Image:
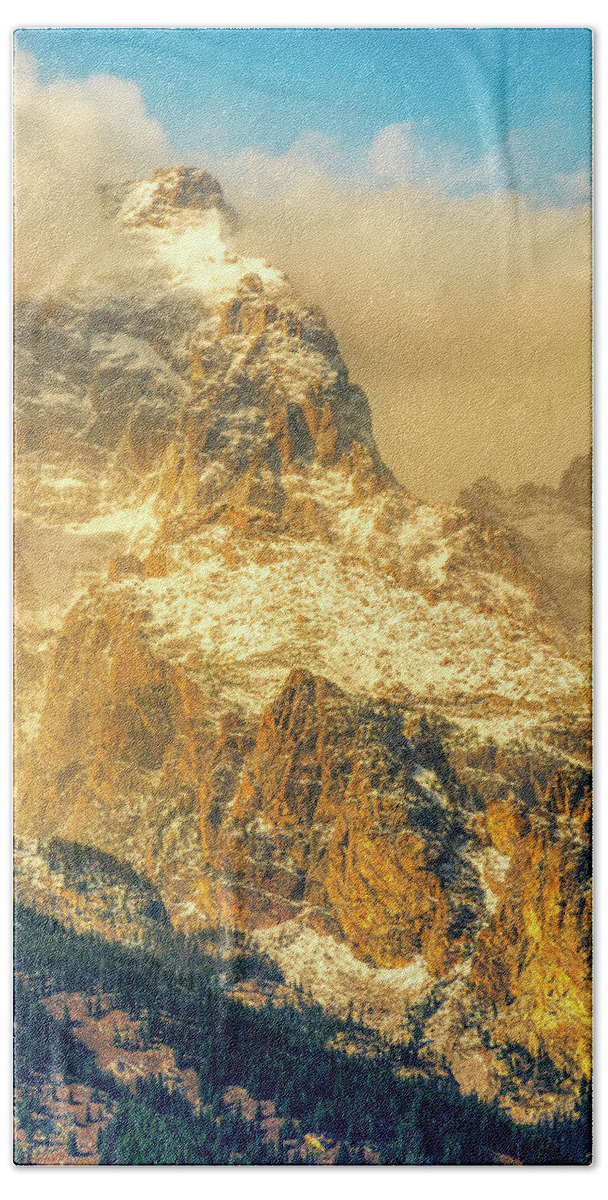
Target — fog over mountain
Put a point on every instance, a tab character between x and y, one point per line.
551	531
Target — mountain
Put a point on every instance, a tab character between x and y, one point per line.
550	530
302	703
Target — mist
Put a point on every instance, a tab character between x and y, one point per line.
71	138
467	321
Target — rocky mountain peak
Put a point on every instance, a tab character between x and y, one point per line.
575	485
172	190
270	395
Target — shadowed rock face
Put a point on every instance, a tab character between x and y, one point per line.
181	188
550	530
300	702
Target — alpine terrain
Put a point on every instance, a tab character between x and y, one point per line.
295	707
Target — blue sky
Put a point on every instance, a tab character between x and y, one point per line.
518	96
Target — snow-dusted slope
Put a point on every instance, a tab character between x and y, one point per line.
412	610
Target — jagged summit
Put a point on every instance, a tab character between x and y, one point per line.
172	190
550	528
270	397
181	218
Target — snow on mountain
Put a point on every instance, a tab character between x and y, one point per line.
300	700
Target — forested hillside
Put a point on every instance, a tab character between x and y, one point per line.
371	1111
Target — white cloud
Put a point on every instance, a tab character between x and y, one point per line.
70	137
395	155
527	162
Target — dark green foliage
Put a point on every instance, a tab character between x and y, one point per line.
83	865
274	1053
19	1155
155	1127
43	1045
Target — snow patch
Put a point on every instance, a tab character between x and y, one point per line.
190	245
492	867
381	997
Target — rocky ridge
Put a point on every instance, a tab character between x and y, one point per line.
550	530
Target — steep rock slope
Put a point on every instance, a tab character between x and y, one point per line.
300	701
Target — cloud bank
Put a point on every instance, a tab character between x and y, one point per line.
71	137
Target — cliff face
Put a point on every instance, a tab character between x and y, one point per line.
302	703
325	820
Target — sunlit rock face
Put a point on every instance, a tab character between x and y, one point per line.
302	703
159	201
